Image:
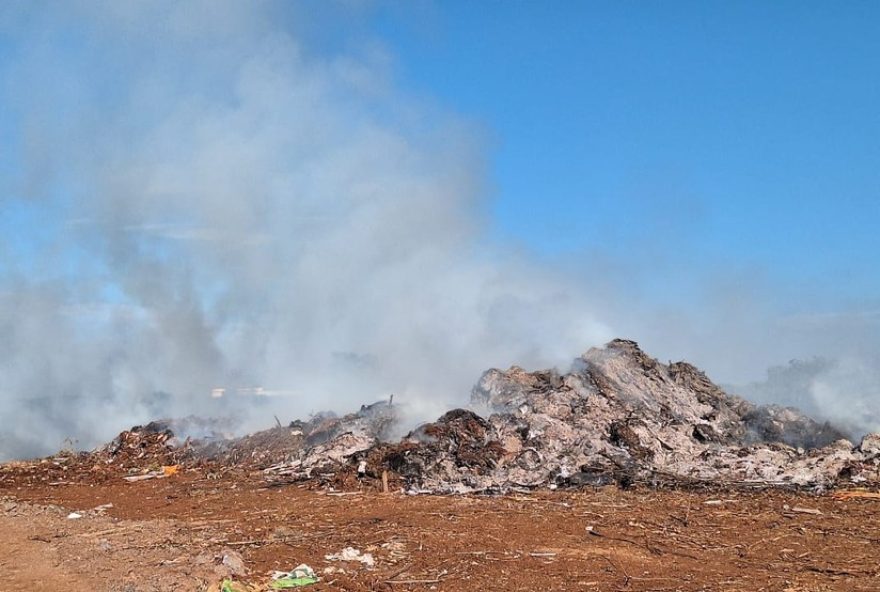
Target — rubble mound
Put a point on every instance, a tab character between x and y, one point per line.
259	450
772	423
617	416
319	445
440	450
162	442
139	450
152	444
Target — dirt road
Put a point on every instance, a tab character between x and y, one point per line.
172	534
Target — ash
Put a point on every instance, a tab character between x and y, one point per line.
619	416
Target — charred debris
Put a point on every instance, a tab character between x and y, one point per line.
619	416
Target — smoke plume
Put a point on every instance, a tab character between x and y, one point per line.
224	209
197	197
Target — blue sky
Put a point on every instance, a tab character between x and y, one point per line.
704	134
690	136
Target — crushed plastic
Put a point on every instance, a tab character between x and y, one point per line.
352	554
301	575
228	585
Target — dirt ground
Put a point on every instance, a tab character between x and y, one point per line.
187	531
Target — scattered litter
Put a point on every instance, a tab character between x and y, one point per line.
799	510
144	477
228	585
165	471
301	575
74	516
233	561
352	554
847	495
718	502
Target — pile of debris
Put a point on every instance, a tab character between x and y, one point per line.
154	444
329	443
152	449
326	436
255	451
617	416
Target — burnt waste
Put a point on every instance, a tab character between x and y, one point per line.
618	416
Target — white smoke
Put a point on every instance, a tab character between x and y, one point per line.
242	213
843	391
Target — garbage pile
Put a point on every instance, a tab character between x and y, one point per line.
326	436
162	442
617	416
154	443
327	442
257	450
143	452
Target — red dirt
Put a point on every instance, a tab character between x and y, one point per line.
159	532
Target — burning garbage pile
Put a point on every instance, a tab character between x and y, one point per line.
157	449
324	437
167	442
617	416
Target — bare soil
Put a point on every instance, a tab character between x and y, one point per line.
174	533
